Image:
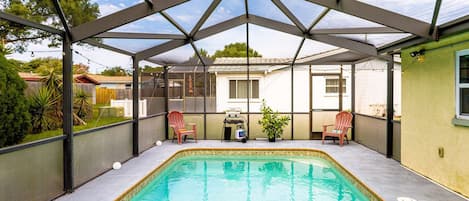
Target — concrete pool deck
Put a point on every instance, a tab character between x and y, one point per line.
384	176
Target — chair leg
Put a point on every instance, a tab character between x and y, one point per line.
341	140
179	139
323	138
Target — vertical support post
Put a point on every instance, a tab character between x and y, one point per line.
353	101
310	103
248	78
390	107
341	89
67	111
292	116
166	102
135	105
205	102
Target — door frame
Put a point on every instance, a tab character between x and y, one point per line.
311	109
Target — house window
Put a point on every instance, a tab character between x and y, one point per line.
239	89
462	84
332	86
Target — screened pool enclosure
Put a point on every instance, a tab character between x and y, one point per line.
328	56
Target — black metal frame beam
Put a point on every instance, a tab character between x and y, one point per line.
361	30
290	15
135	106
435	17
246	6
449	28
93	42
67	110
203	33
61	14
390	107
188	37
29	23
120	18
318	19
292	84
166	101
260	21
204	17
127	35
353	100
379	15
333	40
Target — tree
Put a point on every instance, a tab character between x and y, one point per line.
115	71
14	115
44	65
41	11
151	69
235	50
80	68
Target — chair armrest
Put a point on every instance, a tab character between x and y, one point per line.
327	125
193	125
172	125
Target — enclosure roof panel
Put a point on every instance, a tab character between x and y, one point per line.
365	27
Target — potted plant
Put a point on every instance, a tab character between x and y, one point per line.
272	123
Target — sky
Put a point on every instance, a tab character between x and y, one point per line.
261	39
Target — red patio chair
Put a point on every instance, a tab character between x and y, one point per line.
176	122
343	121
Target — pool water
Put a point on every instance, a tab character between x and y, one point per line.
249	178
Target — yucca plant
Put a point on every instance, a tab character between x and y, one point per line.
42	109
82	104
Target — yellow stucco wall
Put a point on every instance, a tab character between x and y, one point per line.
428	106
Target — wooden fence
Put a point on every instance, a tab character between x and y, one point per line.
104	95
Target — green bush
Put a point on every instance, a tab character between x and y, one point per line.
14	115
271	122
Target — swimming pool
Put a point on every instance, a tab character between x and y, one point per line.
249	174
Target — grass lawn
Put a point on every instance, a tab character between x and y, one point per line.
91	123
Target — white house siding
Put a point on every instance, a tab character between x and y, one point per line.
275	88
371	91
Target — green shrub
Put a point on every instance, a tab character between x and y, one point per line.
271	122
14	115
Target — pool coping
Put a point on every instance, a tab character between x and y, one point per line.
134	188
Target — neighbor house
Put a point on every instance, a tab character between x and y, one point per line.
81	81
271	83
113	82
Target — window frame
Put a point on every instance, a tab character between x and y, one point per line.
344	83
250	90
459	86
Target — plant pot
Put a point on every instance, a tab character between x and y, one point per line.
272	139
